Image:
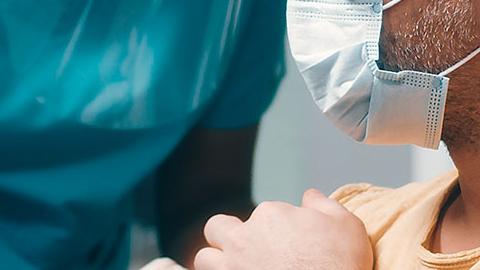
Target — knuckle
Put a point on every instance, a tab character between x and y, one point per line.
266	209
313	195
201	258
160	263
231	237
265	206
270	211
272	206
214	220
222	225
263	209
309	193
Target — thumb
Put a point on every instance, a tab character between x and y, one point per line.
314	199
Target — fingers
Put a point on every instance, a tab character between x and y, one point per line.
209	259
315	200
163	264
218	227
270	211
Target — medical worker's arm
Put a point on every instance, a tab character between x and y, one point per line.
209	173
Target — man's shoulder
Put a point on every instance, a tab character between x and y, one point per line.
359	193
380	208
397	220
363	195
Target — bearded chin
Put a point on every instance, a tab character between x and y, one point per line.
436	36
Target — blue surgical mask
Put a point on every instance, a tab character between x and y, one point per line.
336	46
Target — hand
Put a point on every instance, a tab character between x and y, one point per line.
319	236
163	264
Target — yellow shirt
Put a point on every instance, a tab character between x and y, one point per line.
400	223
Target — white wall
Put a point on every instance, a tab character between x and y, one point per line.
298	148
427	164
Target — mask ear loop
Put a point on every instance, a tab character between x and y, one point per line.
391	4
461	63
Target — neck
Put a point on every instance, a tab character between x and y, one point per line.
459	225
467	161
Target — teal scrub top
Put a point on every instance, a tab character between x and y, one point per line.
95	94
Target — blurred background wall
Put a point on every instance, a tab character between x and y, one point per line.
298	149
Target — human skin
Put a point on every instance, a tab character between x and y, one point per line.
163	264
430	36
321	235
421	35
